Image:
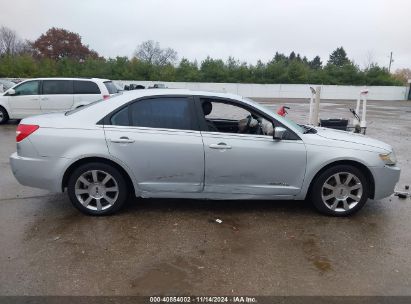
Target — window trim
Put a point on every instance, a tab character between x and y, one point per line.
238	103
106	121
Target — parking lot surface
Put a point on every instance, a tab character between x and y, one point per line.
156	247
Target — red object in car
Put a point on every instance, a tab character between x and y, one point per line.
106	97
282	110
24	130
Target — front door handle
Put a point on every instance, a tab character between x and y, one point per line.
122	140
44	98
220	146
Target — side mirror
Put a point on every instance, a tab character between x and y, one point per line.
279	133
11	92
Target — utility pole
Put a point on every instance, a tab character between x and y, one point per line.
391	61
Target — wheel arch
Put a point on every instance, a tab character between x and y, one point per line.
107	161
360	166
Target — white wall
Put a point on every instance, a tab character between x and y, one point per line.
285	90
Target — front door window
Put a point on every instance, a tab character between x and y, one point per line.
27	88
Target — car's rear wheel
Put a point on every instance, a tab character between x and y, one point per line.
340	191
4	116
97	189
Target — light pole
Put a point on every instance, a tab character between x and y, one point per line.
391	61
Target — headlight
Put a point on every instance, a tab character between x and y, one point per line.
389	158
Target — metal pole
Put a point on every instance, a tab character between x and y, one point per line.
316	111
310	117
364	109
357	110
389	67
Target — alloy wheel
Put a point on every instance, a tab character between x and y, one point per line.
96	190
342	191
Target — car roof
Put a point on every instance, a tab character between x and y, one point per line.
102	108
159	92
68	78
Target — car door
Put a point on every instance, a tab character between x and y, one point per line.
57	95
26	99
248	164
159	139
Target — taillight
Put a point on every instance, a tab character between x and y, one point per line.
106	97
24	130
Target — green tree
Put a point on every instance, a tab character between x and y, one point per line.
188	71
338	57
316	63
213	70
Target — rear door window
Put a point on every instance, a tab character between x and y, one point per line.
54	87
85	87
165	113
111	87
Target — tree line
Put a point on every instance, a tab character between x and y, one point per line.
61	53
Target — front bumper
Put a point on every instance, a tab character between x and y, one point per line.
41	172
385	179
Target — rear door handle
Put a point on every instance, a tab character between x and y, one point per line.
44	98
122	140
220	146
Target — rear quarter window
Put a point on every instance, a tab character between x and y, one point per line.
86	87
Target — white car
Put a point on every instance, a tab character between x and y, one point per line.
46	95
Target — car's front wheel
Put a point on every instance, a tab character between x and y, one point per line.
97	189
340	191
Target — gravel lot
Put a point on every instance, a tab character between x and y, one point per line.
175	246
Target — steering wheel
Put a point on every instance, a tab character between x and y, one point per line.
258	128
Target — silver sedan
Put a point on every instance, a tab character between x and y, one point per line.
198	145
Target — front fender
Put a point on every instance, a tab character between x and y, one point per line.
318	157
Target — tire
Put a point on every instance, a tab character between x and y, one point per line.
4	116
87	189
340	191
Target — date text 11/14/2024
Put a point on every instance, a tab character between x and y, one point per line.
203	299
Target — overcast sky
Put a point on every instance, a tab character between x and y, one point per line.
246	29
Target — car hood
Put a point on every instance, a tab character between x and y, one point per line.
355	138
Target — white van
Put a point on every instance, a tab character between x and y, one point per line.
46	95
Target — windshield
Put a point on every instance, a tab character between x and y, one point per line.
282	119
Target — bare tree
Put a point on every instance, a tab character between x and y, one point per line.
369	61
11	43
8	40
150	51
403	75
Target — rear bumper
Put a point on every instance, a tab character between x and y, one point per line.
385	179
42	172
